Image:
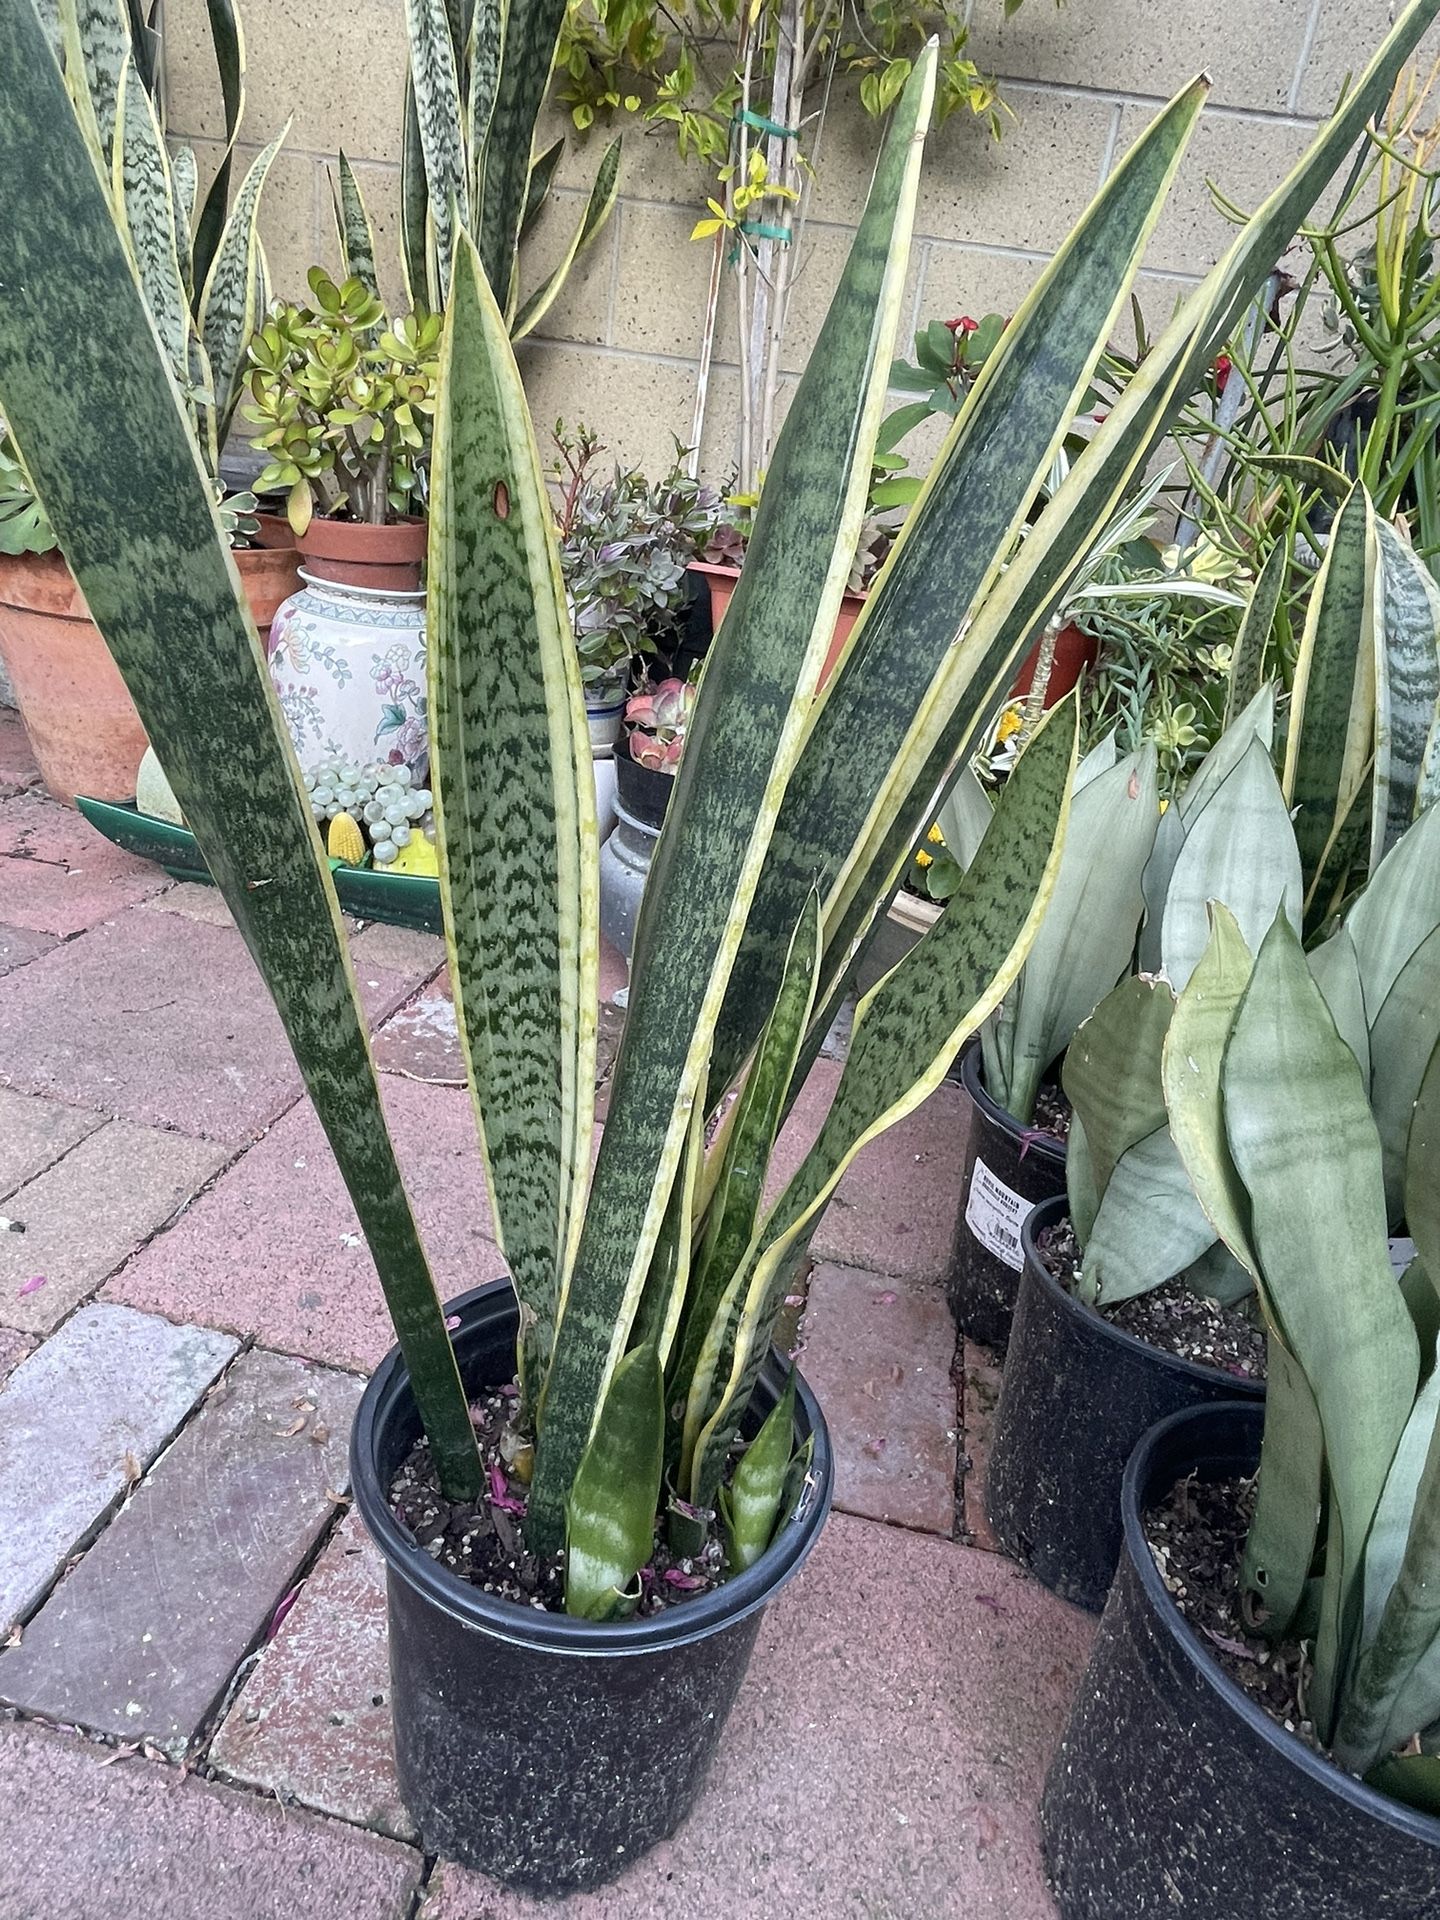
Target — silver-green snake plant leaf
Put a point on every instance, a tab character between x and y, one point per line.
1300	1134
91	400
750	1505
977	669
1111	1074
1422	1170
610	1514
908	1029
435	82
1088	935
1240	849
1148	1229
1289	1493
230	302
1402	1039
144	195
734	1209
598	208
532	28
1247	664
1407	690
984	480
1411	1778
353	229
484	51
105	42
1336	967
1398	910
741	745
1331	738
514	801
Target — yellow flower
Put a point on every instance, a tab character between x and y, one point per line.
1011	722
924	860
935	836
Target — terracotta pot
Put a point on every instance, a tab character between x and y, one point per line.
386	559
722	583
84	731
1074	652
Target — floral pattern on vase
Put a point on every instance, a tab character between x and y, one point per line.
348	667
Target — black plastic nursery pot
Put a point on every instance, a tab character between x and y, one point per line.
1077	1395
1008	1169
1173	1795
644	792
545	1751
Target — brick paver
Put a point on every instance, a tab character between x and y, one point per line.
20	945
34	1133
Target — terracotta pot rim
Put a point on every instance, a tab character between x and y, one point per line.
717	570
394	542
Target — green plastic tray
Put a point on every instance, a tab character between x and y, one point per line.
399	899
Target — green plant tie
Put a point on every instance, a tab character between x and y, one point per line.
745	118
764	230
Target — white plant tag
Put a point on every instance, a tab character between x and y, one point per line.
995	1215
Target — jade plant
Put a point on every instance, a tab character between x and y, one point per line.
649	1283
344	401
1269	1106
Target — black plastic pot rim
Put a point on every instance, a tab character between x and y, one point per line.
1046	1214
1288	1747
681	1625
1029	1139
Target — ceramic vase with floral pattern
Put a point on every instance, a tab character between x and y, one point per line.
348	664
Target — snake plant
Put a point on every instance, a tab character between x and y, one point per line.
201	269
1270	1105
648	1285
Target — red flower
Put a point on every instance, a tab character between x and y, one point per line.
963	325
1222	371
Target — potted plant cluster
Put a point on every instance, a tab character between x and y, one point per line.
342	401
200	274
611	1473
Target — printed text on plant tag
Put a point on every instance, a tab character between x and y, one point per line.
995	1215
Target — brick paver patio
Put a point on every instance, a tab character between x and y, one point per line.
184	1325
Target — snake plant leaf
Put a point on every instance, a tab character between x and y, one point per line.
1422	1170
517	852
1088	935
997	454
1190	1071
532	28
353	229
484	49
1411	1778
735	1204
965	816
105	43
1217	1275
1407	689
1111	1074
230	304
229	47
1240	849
543	169
750	1505
1080	1189
610	1515
976	671
1402	1039
1155	884
1395	1689
1280	1546
436	86
1256	721
907	1031
145	40
741	745
185	181
414	211
1390	1530
93	404
49	12
1331	735
662	1304
1149	1226
598	209
1422	1297
144	197
1302	1139
1336	968
1398	909
1247	662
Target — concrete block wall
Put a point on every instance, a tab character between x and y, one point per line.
619	349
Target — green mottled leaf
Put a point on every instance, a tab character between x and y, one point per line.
543	169
353	229
1407	687
597	211
1332	702
750	1505
95	410
230	305
414	226
740	747
229	51
532	28
143	192
1303	1142
184	181
610	1515
517	866
105	42
1239	849
435	87
485	48
1411	1778
1247	662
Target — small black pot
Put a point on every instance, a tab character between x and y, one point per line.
1173	1795
1076	1397
545	1751
642	791
1008	1170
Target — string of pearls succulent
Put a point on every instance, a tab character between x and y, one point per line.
382	798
